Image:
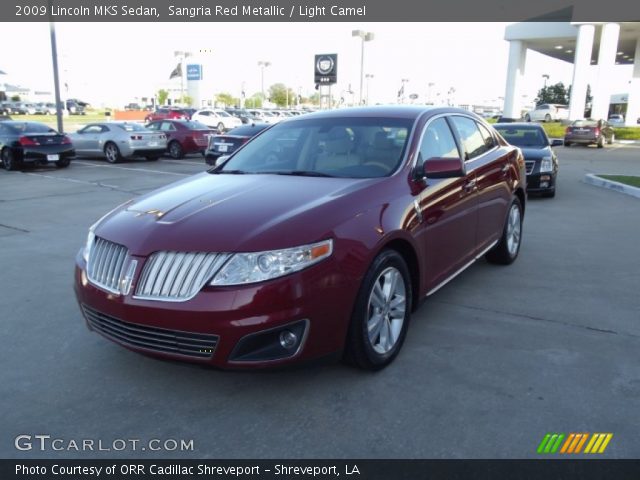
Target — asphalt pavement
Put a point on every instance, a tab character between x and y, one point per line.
495	360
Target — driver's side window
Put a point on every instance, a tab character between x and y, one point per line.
438	142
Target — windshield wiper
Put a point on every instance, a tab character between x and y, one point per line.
303	173
230	172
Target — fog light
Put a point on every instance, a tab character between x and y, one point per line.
544	184
288	339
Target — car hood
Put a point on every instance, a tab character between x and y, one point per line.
231	213
535	153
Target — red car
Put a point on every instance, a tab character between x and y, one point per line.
167	113
183	136
320	235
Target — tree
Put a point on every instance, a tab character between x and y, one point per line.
15	98
186	100
163	95
281	95
557	93
255	101
227	99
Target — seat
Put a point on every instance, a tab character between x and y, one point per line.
531	138
383	152
337	152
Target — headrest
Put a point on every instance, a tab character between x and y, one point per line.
338	141
382	142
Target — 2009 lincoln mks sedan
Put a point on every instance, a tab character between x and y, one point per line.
320	235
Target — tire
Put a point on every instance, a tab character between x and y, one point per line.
507	249
527	118
600	143
9	161
64	163
175	150
567	144
612	139
112	153
220	127
376	350
547	118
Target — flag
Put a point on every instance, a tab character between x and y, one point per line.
177	72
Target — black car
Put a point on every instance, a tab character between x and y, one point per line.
540	160
225	144
35	143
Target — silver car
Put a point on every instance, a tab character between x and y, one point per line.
118	140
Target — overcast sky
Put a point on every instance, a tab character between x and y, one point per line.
116	63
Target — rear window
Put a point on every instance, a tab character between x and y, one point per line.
524	136
31	128
193	125
247	130
131	127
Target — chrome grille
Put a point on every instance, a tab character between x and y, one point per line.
106	264
530	166
200	345
177	276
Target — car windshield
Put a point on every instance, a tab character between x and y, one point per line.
584	123
132	127
325	147
524	136
247	130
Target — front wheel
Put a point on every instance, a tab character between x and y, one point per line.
381	315
612	139
64	163
508	247
600	143
175	150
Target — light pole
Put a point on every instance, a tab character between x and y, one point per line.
368	76
365	37
262	64
56	79
430	85
401	92
546	77
182	57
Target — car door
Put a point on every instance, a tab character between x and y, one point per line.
448	208
492	172
85	141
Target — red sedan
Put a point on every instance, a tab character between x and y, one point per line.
183	136
320	235
168	113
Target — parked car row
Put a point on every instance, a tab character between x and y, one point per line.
73	107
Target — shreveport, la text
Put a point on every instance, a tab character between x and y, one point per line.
177	469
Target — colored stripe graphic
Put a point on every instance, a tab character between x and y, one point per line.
573	443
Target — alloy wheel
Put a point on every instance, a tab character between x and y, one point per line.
513	230
386	310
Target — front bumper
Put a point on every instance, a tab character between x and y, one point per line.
318	297
541	182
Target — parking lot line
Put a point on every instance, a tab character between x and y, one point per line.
86	164
73	180
185	162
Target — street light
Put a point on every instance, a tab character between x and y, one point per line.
546	77
365	37
368	76
262	64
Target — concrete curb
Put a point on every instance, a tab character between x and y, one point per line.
595	180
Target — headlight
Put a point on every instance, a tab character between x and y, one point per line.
245	268
546	165
87	246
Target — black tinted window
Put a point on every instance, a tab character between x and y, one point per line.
524	136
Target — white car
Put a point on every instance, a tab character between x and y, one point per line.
265	116
548	112
616	119
216	118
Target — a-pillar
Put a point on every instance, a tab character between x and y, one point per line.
581	63
633	105
515	72
606	64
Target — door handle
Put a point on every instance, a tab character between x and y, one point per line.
470	186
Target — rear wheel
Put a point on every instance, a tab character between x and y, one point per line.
600	143
612	139
547	118
175	150
9	160
63	163
112	153
381	315
507	249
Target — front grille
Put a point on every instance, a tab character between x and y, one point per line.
106	264
530	166
199	345
177	276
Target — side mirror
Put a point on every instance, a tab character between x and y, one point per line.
557	142
437	167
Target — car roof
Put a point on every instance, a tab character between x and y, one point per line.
397	111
